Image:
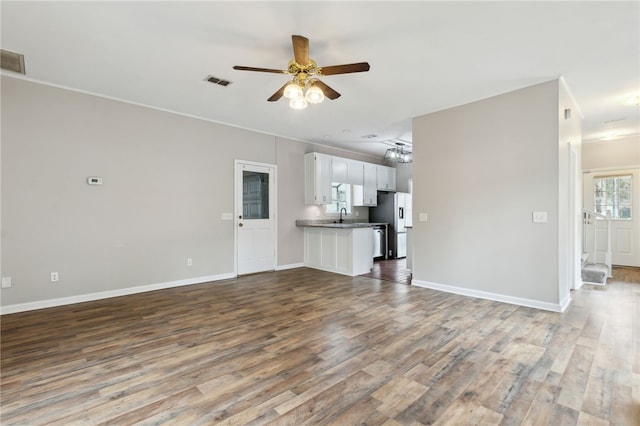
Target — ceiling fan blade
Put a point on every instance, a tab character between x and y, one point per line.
278	94
241	68
328	91
300	49
345	69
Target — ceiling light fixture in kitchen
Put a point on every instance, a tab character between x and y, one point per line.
399	154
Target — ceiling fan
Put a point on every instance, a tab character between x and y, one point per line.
305	87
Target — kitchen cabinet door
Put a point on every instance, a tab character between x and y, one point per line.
340	170
370	193
386	178
355	172
318	173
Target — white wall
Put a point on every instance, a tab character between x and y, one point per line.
623	153
480	170
167	180
569	193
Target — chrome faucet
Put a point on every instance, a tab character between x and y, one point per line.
345	213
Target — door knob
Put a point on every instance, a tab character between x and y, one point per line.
240	224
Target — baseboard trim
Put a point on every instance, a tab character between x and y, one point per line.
51	303
289	266
564	303
529	303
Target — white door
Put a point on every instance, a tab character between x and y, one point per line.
255	217
625	233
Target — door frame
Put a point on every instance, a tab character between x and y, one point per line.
236	190
575	222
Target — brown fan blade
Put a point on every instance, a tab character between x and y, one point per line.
300	49
278	94
328	91
345	69
241	68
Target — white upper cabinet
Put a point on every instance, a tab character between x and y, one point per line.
340	169
366	179
370	194
348	171
355	172
318	174
386	178
365	193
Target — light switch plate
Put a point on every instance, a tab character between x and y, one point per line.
6	282
539	217
423	217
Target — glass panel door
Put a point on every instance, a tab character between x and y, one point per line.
255	195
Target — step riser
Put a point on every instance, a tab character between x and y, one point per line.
595	273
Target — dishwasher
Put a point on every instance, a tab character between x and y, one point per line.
379	241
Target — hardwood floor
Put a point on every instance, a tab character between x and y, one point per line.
308	347
394	270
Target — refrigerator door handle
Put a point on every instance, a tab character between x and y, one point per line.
401	212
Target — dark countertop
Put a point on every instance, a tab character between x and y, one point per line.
333	224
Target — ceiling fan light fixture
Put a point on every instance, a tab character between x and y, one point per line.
298	103
314	94
304	69
293	91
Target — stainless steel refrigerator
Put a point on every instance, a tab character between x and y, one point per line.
394	208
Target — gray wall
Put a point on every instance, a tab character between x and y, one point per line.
167	180
480	170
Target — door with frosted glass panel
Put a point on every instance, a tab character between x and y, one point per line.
255	217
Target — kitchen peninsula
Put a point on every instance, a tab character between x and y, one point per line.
344	248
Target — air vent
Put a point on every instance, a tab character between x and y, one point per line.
12	61
218	81
370	136
614	120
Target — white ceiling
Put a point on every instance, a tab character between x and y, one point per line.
424	57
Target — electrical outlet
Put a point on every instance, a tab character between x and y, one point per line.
6	282
189	261
54	277
423	217
539	217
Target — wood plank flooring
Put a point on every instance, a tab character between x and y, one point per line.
394	270
302	346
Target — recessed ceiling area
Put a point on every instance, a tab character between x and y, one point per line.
424	57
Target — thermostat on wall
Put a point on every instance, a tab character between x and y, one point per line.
91	180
